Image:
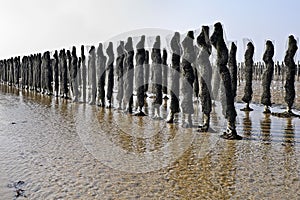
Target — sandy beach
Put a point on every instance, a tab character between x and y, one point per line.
53	149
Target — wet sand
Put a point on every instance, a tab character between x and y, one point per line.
63	150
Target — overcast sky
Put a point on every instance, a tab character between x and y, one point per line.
29	26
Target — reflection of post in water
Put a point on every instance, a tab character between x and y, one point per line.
289	165
64	110
140	143
119	137
265	126
124	136
247	124
289	136
15	90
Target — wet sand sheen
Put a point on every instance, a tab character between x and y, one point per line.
54	147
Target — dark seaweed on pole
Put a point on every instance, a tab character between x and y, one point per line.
147	72
196	83
49	74
157	76
188	58
119	67
110	73
165	72
290	72
83	69
56	73
74	62
128	70
205	75
248	76
30	73
290	69
218	42
64	73
38	72
13	72
16	71
79	79
267	76
232	65
139	75
69	60
195	67
175	77
92	67
216	84
101	65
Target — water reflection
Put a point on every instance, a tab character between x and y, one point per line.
247	124
265	128
289	135
9	90
290	172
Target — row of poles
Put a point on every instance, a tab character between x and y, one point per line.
13	72
94	78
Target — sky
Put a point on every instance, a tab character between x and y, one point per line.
38	25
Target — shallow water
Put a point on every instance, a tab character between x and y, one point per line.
77	151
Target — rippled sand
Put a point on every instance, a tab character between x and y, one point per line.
77	151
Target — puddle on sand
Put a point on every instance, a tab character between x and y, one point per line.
51	149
